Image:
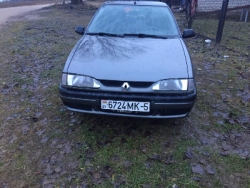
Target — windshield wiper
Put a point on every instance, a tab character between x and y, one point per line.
142	35
105	34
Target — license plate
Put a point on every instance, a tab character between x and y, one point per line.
130	106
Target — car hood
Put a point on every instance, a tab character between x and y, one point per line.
129	59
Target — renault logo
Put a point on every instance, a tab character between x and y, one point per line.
125	85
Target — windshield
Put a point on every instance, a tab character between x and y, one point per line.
134	19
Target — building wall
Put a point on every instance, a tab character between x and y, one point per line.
210	5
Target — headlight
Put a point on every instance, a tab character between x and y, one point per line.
80	81
174	85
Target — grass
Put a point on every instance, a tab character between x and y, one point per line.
218	71
103	151
236	170
233	41
132	150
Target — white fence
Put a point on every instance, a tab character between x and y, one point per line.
212	5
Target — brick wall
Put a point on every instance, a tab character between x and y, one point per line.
210	5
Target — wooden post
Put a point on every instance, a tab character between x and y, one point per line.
247	11
221	21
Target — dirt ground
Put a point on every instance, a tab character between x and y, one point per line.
44	145
6	13
21	3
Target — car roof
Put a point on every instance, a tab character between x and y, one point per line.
151	3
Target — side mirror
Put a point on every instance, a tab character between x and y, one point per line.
188	33
79	30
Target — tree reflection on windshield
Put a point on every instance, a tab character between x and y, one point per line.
120	19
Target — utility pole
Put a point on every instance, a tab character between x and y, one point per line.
221	21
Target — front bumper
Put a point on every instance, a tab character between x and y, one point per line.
161	105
